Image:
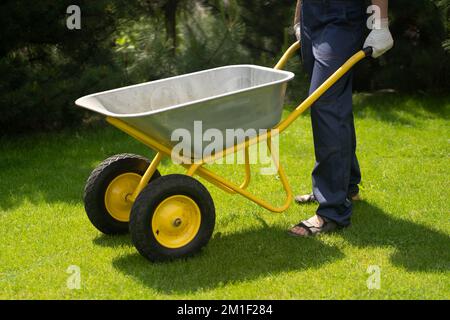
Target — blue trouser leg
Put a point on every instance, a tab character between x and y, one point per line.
332	32
355	173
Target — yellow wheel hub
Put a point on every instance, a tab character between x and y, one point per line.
176	221
116	196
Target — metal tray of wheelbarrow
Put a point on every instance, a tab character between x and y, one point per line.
232	97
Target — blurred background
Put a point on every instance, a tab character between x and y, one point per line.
45	67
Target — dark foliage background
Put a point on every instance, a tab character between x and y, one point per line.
44	66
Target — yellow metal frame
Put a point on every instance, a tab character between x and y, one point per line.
200	170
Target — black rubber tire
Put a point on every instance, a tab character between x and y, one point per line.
143	209
97	184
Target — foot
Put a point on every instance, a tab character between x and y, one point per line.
310	198
313	226
307	198
353	193
356	197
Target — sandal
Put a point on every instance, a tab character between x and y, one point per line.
310	198
354	195
312	230
307	198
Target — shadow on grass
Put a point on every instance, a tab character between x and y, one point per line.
396	108
55	167
417	247
401	109
112	241
231	258
270	251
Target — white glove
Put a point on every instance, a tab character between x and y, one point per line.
380	39
298	31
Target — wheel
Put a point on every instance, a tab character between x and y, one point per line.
173	217
107	189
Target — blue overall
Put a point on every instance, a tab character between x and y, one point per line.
332	31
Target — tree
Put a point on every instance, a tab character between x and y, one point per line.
45	66
418	61
170	10
266	24
444	6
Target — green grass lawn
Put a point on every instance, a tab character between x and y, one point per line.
402	225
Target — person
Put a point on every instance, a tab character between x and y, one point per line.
330	32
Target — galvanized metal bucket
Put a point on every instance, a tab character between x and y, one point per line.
233	97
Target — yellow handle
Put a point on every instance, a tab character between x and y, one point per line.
288	54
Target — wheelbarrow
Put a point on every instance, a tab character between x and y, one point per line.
173	216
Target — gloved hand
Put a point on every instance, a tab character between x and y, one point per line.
298	31
380	39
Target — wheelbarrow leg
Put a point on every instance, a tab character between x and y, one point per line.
147	176
248	173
